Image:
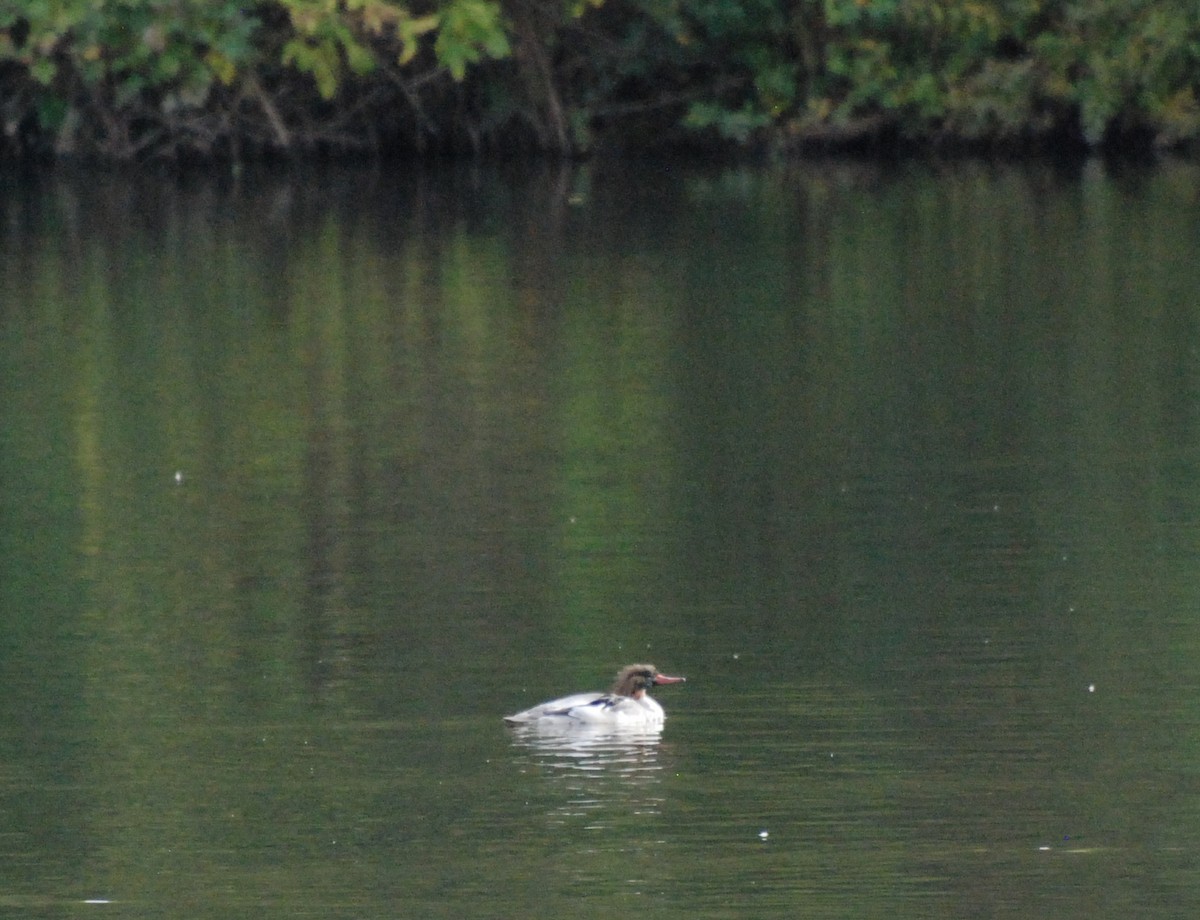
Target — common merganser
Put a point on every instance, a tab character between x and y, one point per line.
627	705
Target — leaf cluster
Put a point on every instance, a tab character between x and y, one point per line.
129	78
135	71
986	71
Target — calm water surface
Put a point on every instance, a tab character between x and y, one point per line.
305	480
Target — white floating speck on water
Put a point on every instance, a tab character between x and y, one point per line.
763	835
1091	688
179	476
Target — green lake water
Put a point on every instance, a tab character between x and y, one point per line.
306	479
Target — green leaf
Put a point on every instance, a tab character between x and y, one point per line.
43	70
410	29
320	61
470	28
360	60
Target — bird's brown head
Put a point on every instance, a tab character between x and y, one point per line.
635	679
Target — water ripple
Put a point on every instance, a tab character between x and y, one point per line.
592	772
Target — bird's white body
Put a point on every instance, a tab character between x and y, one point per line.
627	705
601	709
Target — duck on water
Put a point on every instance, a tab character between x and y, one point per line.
626	705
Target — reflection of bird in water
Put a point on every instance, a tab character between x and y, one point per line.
627	705
588	747
601	769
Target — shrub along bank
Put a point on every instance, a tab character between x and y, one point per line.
140	79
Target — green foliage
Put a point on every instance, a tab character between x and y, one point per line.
155	42
977	70
744	70
470	29
331	37
127	62
138	45
745	47
1124	64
